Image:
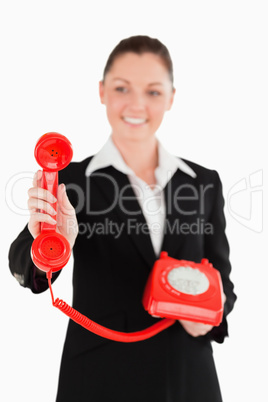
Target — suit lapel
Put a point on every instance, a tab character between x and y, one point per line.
118	191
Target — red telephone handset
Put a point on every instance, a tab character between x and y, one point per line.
50	250
175	289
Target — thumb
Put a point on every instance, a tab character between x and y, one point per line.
63	201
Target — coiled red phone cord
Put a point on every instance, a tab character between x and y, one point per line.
105	332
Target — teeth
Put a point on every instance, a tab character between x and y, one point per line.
133	120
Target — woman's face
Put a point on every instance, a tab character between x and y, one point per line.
137	92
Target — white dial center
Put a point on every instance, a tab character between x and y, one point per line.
188	280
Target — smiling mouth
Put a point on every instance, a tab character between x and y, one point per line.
134	121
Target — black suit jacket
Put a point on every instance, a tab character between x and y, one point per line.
113	256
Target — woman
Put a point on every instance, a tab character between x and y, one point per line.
124	205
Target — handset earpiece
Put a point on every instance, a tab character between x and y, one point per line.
53	152
50	250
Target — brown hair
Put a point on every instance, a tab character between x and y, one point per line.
141	44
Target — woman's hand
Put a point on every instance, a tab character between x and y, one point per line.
196	328
40	199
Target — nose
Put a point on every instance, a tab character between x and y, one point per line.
137	101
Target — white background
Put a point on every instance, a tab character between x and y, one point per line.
52	57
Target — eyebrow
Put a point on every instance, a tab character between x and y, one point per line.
127	82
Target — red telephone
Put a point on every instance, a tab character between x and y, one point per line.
184	290
175	289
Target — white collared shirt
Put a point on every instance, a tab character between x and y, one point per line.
151	200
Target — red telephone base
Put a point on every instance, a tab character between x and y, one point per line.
184	290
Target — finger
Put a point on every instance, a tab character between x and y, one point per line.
63	201
34	204
39	217
42	194
203	329
195	329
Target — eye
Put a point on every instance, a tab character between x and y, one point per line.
121	89
154	93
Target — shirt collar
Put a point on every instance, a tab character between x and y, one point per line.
109	155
